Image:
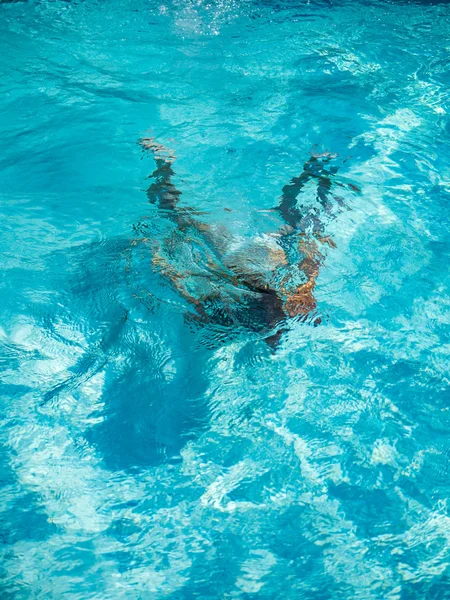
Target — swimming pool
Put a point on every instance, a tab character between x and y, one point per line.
146	456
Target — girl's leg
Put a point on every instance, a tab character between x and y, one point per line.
162	191
302	300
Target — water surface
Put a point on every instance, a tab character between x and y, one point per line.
144	457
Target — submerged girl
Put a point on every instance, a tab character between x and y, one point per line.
230	284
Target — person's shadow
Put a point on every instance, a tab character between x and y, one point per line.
153	400
152	368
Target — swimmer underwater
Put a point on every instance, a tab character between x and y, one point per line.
231	285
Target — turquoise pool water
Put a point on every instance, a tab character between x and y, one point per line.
145	454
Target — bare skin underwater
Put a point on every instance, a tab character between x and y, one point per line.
233	294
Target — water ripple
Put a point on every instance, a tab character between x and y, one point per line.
167	430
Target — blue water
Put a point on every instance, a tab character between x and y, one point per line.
145	454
